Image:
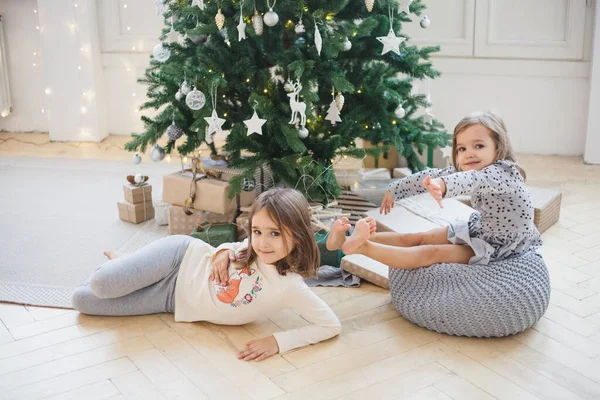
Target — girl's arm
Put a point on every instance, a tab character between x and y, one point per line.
497	178
323	322
412	185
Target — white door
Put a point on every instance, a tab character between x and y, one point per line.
532	29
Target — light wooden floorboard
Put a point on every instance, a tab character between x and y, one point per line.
57	354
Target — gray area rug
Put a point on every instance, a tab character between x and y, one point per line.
57	216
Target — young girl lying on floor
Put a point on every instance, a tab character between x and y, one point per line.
484	166
175	274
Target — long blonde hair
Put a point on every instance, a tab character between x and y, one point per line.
495	124
289	209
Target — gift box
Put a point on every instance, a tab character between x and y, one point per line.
161	213
372	190
182	224
211	194
216	234
136	194
387	159
135	213
546	205
367	268
263	180
419	214
347	177
402	172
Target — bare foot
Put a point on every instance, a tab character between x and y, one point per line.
372	225
337	234
359	237
111	254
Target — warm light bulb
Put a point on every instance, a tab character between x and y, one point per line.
47	91
265	90
75	5
248	80
128	28
133	94
168	158
185	160
4	113
124	5
79	67
83	110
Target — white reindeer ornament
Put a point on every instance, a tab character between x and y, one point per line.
298	107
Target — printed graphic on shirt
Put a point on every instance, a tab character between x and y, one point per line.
229	294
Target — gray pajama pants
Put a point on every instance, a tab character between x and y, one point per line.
135	284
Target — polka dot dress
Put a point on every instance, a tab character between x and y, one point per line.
503	225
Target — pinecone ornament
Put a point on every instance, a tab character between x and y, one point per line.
339	101
174	132
369	4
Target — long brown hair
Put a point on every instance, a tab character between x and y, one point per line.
495	124
290	211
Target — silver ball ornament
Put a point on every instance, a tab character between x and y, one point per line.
185	88
303	133
178	95
137	158
174	132
198	39
157	153
271	18
248	185
161	53
400	112
425	22
347	44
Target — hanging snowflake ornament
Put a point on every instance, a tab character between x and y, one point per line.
195	99
318	39
220	19
160	6
199	3
257	23
254	124
425	22
369	4
271	18
161	53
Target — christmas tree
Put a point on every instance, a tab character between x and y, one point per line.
267	72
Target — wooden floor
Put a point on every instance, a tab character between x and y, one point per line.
60	354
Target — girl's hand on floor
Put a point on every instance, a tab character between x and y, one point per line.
259	349
387	203
220	267
435	189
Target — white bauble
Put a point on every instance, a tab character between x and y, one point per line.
137	158
303	132
178	95
347	44
400	112
299	29
271	18
138	178
425	22
157	153
161	53
195	99
185	88
174	132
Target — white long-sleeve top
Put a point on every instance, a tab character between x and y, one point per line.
252	293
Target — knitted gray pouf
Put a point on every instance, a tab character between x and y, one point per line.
499	299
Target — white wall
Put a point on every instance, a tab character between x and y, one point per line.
544	101
26	80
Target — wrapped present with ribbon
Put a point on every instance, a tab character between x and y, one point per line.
197	189
135	213
181	223
261	181
215	234
137	194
